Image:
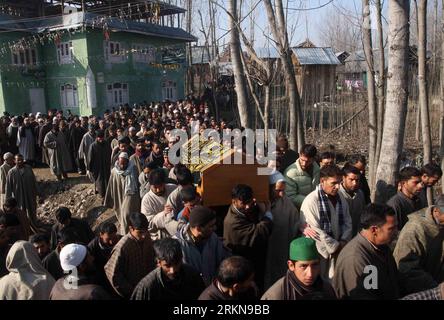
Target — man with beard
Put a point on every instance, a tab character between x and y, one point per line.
122	193
124	146
302	177
141	156
353	195
326	212
87	140
154	204
4	169
156	155
21	184
99	166
172	280
26	141
75	257
407	199
75	138
247	228
302	280
285	229
59	157
144	183
41	243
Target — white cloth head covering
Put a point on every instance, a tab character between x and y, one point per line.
123	155
8	155
26	269
72	255
276	177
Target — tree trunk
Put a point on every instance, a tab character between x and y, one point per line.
422	81
441	105
278	27
239	76
381	91
397	95
371	95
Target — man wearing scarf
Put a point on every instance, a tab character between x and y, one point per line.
326	212
122	193
302	280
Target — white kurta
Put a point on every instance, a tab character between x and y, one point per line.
326	244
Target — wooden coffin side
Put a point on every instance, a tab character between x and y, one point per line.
217	183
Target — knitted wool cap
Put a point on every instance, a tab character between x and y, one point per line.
201	216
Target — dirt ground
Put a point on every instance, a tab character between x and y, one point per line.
77	193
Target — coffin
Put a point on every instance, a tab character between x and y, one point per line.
218	179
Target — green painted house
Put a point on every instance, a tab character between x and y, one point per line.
88	63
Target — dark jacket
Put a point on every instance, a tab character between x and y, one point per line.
403	206
52	263
360	260
213	293
187	286
248	237
81	228
86	290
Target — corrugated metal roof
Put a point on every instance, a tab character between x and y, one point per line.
316	56
267	53
78	19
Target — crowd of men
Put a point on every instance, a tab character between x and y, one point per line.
318	237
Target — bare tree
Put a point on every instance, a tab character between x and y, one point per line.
422	84
441	105
371	94
381	89
397	95
278	26
236	59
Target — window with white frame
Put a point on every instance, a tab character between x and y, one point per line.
24	57
114	52
143	53
117	93
169	90
69	97
65	52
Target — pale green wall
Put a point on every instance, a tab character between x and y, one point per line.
144	81
15	83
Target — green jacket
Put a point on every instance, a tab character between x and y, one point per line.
300	183
419	252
